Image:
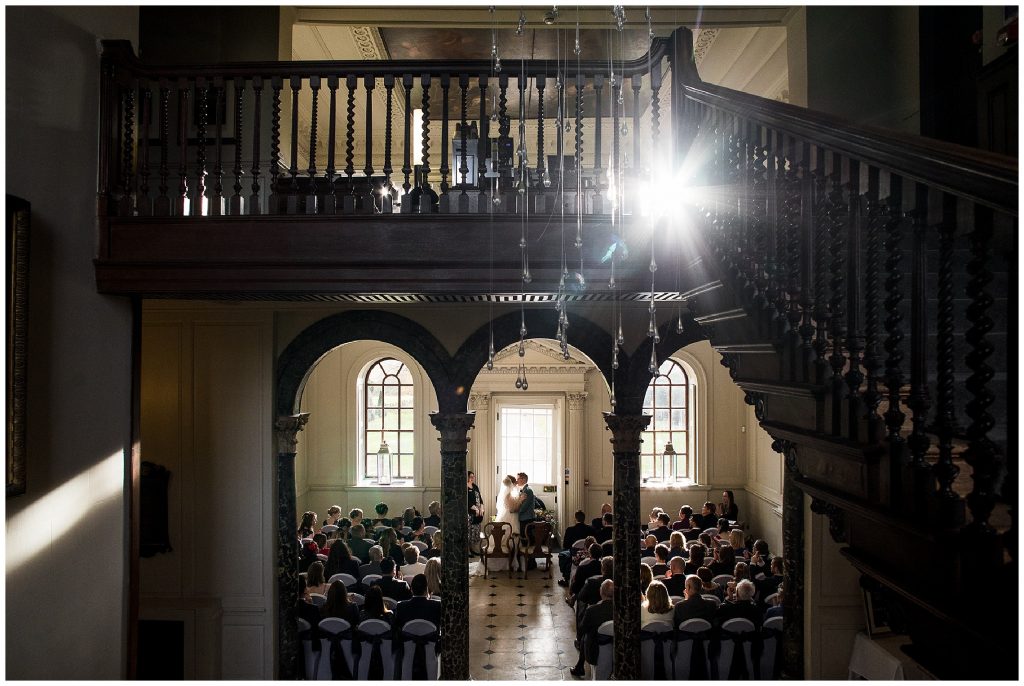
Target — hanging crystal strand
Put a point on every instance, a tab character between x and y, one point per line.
679	321
490	351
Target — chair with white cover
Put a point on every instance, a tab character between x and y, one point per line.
713	598
419	544
304	542
309	657
376	658
422	560
406	530
735	633
328	529
390	603
430	530
676	599
649	560
380	527
321	557
772	600
771	642
346	579
656	651
356	599
420	657
722	579
336	661
317	599
605	650
370	579
498	542
692	657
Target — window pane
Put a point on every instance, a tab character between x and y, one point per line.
391	419
376	375
406	394
405	442
390	396
678	419
661	396
405	376
392	438
406	418
405	466
391	366
648	399
646	466
373	417
678	396
371	464
660	420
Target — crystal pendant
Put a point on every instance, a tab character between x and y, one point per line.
652	367
519	381
654	265
568	126
526	384
620	100
494	116
522	349
619	339
497	65
611	282
546	179
495	200
576	48
615	357
565	354
490	354
527	276
679	324
624	129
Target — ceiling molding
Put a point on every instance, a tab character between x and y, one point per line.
534	346
705	39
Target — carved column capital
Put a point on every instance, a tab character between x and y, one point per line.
286	431
576	401
626	430
454	430
836	518
480	401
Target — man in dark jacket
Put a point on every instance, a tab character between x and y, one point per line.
419	606
389	586
586	631
598	521
743	607
586	569
676	584
591	591
605	532
693	606
576	532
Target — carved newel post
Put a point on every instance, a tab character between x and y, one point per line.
626	430
454	430
286	431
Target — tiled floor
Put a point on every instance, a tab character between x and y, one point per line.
520	629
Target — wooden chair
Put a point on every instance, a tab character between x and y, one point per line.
534	545
497	541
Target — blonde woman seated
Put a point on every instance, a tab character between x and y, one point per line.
646	577
657	607
315	582
432	571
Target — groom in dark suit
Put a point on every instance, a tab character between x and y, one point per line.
527	505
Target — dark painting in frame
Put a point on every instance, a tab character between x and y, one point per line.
17	340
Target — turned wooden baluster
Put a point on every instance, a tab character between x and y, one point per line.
217	206
181	200
541	172
919	401
463	133
776	233
351	82
275	202
821	251
369	202
853	339
407	166
599	177
872	362
329	204
202	93
982	452
257	92
792	207
295	83
950	505
126	203
484	142
759	220
806	248
894	416
143	202
236	199
636	81
837	304
581	82
311	198
746	245
389	86
446	82
426	205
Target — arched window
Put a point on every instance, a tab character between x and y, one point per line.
388	408
670	402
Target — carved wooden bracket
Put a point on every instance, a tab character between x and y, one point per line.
836	518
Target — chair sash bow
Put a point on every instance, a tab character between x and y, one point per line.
738	667
698	656
419	658
339	665
659	638
376	670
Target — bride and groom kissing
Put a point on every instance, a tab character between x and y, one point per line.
516	502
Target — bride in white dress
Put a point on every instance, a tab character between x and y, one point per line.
508	503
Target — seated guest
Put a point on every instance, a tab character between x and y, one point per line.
776	610
693	605
728	507
412	565
741	571
419	606
661	555
408	515
339	605
416	532
382	514
598	521
355	516
696	560
676	580
315	581
586	630
707	517
608	547
434	550
590	593
344	527
358	543
389	543
724	560
771	582
432	570
738	543
661	530
306	610
577	532
321	544
340	561
376	554
307	525
647	546
586	569
708	542
389	585
707	586
653	521
723	527
308	555
685	521
646	577
333	515
657	607
742	606
374	607
759	559
434	514
605	532
676	545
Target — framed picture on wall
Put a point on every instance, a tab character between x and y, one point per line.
17	340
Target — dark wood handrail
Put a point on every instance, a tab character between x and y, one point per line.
983	177
121	53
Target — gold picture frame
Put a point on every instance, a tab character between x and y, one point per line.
18	216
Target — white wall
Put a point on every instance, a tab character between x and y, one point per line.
66	551
207	417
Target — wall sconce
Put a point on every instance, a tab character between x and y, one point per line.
384	465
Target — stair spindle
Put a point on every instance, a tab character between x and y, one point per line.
407	166
636	81
143	202
202	93
311	197
446	81
389	86
821	251
919	401
581	82
791	209
257	92
236	199
837	304
217	206
540	83
329	205
295	83
599	177
274	202
369	202
181	200
484	141
775	183
351	83
853	339
464	132
894	416
425	136
872	363
759	220
126	204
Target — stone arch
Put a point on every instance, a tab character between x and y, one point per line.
633	376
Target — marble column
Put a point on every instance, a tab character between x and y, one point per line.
626	430
793	554
454	429
573	494
481	452
286	431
